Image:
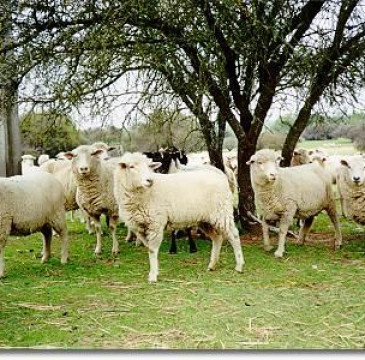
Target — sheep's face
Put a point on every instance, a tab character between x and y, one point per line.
85	160
300	157
137	171
355	169
103	155
264	166
316	155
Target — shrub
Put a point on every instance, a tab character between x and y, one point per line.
270	141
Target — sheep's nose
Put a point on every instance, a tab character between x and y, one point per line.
149	182
272	176
84	169
356	178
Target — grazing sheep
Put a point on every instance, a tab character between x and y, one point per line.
27	163
42	159
351	187
284	193
94	179
300	157
151	202
32	203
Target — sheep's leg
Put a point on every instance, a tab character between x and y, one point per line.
130	235
153	240
234	239
61	229
265	232
332	213
2	258
285	222
173	246
192	244
113	223
217	241
72	218
47	239
305	227
97	226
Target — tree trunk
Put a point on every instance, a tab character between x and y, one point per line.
14	148
246	195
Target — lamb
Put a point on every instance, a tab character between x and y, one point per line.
284	193
351	187
27	163
151	202
32	203
94	179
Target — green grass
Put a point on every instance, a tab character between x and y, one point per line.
338	146
313	298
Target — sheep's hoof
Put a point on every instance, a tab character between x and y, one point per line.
152	279
64	261
268	247
44	259
238	268
193	251
278	254
173	252
211	268
97	252
338	246
2	276
115	252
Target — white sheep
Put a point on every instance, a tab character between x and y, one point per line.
300	157
32	203
27	163
351	187
151	202
95	189
284	193
42	159
105	149
332	164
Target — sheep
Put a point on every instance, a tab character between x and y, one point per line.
32	203
105	149
94	179
332	164
284	193
42	159
300	157
151	202
27	163
351	187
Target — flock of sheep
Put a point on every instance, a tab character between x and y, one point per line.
149	196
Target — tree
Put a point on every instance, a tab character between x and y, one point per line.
226	61
49	133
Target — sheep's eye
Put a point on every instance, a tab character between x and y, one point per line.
259	162
131	166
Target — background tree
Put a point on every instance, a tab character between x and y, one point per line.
226	61
49	133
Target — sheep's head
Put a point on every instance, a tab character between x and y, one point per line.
136	171
28	159
85	160
264	166
355	169
105	149
300	157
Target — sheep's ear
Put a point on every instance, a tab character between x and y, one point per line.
97	152
324	159
110	148
68	155
344	163
295	152
252	160
154	165
279	158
